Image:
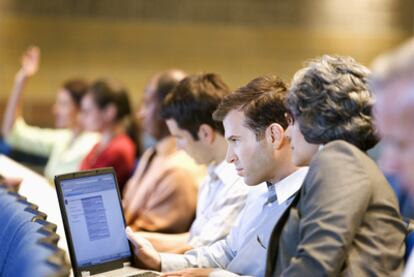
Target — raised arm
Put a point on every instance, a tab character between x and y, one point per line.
29	66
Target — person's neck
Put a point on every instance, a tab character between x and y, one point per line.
109	133
282	173
284	166
218	150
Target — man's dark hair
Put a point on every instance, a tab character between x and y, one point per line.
261	101
193	102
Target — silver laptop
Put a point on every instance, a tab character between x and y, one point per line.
94	224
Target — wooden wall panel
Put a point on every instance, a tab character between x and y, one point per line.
131	40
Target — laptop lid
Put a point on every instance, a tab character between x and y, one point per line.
93	220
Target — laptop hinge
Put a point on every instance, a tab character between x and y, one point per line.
126	264
85	273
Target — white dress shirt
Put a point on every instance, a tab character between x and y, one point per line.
220	200
244	250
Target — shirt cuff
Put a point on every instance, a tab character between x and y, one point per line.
173	262
222	273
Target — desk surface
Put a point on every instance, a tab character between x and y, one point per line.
38	191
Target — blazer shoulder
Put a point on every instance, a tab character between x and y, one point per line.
343	147
341	162
338	152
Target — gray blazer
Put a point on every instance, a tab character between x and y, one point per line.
346	221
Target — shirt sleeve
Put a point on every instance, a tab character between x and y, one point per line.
217	255
223	217
33	140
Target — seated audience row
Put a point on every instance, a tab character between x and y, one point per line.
308	200
339	218
95	128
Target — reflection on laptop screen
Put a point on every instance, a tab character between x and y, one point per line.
95	219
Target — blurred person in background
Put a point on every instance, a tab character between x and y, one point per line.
393	84
65	146
106	109
161	196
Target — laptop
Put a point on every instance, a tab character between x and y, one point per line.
94	224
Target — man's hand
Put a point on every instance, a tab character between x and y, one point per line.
146	254
189	272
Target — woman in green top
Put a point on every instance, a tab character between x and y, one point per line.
65	146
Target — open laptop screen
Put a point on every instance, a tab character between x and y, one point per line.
95	219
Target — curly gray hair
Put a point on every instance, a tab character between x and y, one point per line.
331	100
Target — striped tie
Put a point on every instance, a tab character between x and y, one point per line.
271	194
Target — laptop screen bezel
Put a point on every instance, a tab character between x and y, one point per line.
99	268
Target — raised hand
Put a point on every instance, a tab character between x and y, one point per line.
30	62
29	66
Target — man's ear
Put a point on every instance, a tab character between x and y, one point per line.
110	112
275	135
206	133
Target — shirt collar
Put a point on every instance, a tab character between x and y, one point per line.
224	171
288	186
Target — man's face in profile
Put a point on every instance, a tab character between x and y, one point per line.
394	112
186	142
251	157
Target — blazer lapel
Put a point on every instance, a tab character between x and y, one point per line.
273	247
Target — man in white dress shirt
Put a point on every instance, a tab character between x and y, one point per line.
188	112
254	122
394	110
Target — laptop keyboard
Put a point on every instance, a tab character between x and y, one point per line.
145	274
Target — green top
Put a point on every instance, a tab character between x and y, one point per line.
65	153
